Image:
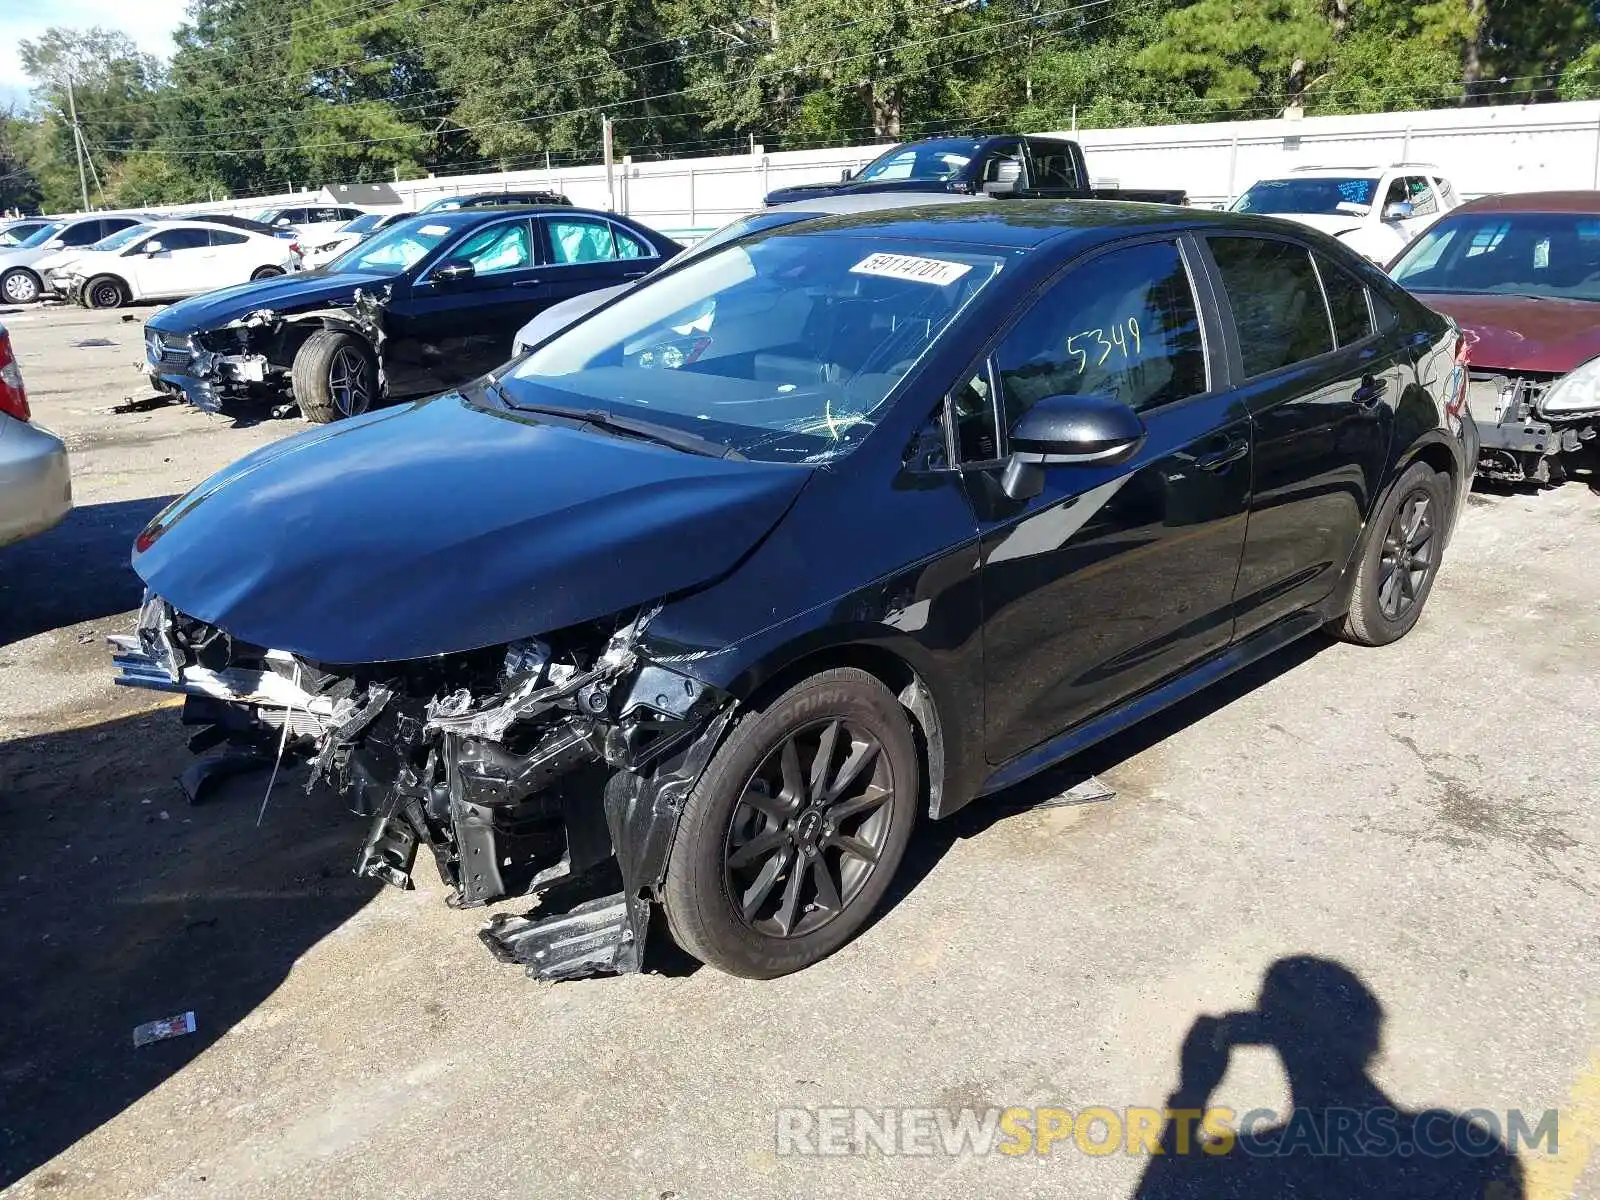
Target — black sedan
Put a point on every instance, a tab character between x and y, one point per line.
705	602
428	303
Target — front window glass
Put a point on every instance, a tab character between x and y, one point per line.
1350	196
1498	253
1123	325
507	247
40	237
942	158
784	348
396	249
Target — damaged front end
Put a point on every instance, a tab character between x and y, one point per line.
1530	428
552	767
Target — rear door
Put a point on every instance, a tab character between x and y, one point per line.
586	253
1115	577
234	258
445	331
1321	387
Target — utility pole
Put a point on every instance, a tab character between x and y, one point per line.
605	144
77	144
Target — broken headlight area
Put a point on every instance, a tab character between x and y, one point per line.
1523	436
553	767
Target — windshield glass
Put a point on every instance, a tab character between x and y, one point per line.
1352	196
15	235
119	239
443	204
393	250
361	224
1498	253
942	158
783	348
39	237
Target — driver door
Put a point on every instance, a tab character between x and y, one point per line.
1115	577
445	331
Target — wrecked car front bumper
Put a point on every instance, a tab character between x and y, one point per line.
1518	443
561	779
180	367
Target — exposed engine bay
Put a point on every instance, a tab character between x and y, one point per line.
1519	441
551	767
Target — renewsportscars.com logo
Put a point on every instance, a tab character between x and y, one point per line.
844	1132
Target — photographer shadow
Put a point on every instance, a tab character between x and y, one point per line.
1344	1137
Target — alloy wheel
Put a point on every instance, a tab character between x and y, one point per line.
348	382
810	826
1408	555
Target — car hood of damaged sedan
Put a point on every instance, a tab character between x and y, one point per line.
441	526
1523	333
297	291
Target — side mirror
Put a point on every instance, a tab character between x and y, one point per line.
1066	430
281	223
453	271
846	175
1398	211
153	248
55	244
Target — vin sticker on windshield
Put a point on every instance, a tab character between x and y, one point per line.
908	266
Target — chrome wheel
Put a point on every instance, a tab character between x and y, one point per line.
348	382
1408	555
809	828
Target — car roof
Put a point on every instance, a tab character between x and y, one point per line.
461	218
1024	224
854	202
1535	202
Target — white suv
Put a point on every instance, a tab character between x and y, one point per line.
1376	210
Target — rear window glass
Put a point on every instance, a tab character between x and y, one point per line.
1276	300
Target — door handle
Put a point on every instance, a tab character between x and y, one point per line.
1236	449
527	283
1370	394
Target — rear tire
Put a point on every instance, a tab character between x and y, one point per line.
334	375
20	286
1399	558
105	291
266	272
777	862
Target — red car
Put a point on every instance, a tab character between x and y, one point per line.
1521	275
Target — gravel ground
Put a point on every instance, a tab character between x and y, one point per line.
1424	815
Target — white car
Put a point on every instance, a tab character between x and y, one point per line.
314	223
175	259
349	234
1376	210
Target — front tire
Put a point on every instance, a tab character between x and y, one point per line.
334	375
1399	559
104	291
266	273
793	833
20	286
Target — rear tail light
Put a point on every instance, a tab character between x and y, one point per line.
13	397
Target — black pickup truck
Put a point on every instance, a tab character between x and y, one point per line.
1007	166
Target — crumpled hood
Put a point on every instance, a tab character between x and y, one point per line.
298	291
1523	333
440	526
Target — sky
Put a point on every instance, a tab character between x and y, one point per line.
150	23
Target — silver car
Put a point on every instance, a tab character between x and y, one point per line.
35	485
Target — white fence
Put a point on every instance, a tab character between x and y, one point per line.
1493	149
